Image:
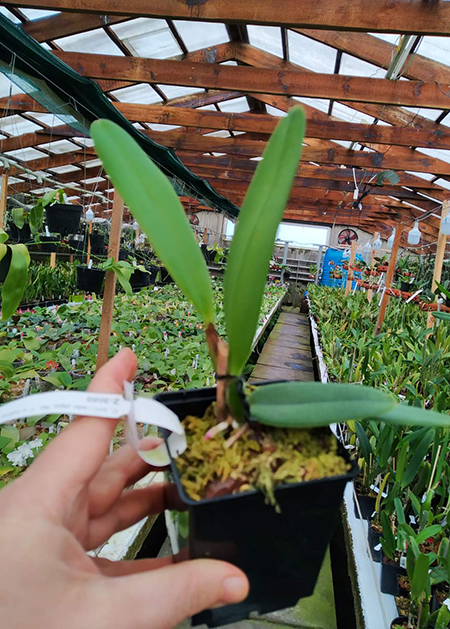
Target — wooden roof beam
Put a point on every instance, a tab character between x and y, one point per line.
402	16
259	80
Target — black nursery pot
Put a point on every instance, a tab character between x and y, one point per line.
77	243
208	255
63	218
398	621
49	244
20	235
90	280
281	553
139	279
5	263
165	276
97	243
405	287
152	273
374	541
366	505
389	573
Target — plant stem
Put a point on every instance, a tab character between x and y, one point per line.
219	354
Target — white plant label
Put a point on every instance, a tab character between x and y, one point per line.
415	295
403	562
140	410
378	547
447	603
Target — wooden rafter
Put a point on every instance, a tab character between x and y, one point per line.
404	16
268	81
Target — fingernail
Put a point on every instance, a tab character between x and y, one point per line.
235	589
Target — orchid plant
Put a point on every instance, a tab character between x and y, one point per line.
157	208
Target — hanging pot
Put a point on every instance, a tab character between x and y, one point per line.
281	553
165	277
63	218
405	287
139	279
97	243
208	255
5	263
90	280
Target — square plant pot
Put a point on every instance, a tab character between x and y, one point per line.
281	553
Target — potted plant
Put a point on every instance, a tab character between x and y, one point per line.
90	279
62	218
14	264
289	513
312	271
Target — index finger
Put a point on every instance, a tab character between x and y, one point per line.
75	456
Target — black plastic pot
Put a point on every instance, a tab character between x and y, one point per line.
281	553
123	254
165	276
389	574
366	505
63	218
77	243
374	541
152	273
399	621
20	235
5	263
405	287
139	279
97	243
90	280
49	244
208	255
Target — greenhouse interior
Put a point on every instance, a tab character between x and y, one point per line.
225	306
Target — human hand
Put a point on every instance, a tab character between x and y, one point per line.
71	500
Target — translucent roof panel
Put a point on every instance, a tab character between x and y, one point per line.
12	180
267	38
208	107
427	176
436	48
9	15
318	103
26	153
351	115
444	183
355	67
96	42
236	105
439	153
273	111
141	93
60	146
36	14
198	35
47	119
311	54
7	87
147	38
218	134
392	38
431	114
175	91
86	141
15	125
64	169
163	127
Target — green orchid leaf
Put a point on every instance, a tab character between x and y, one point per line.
253	240
16	281
158	210
443	618
430	531
388	539
404	415
364	442
420	452
443	316
123	275
442	290
17	217
309	404
420	576
3	237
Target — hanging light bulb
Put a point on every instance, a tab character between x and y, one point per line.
390	240
445	225
367	252
90	215
135	226
414	234
377	244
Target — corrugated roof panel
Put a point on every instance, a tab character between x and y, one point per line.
147	38
351	115
175	91
198	35
36	14
311	54
431	114
140	93
15	125
436	48
355	67
59	146
237	105
96	42
26	154
267	38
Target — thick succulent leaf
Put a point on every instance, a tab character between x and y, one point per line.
404	415
252	245
16	281
158	210
444	316
309	404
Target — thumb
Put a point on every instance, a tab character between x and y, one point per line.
163	598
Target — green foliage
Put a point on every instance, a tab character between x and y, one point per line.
309	404
158	210
17	277
388	539
252	245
